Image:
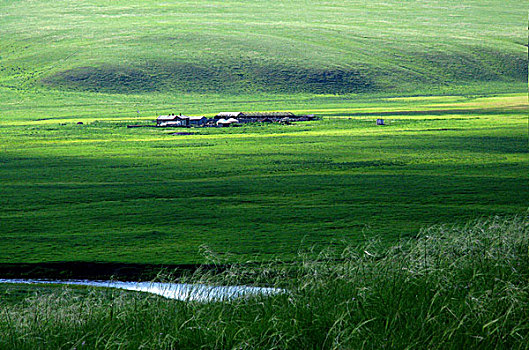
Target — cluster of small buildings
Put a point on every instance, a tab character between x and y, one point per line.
225	119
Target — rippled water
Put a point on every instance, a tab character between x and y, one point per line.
177	291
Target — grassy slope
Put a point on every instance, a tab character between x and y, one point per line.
255	46
102	192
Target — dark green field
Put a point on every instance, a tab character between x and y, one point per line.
447	77
454	287
333	210
102	192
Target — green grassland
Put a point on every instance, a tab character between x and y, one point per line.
330	210
261	46
447	77
453	287
100	191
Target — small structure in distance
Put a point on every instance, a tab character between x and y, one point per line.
265	117
224	119
256	117
226	122
180	120
226	115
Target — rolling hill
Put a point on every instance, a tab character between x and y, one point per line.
233	47
446	75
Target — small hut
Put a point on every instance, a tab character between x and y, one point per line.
226	122
165	118
172	120
198	121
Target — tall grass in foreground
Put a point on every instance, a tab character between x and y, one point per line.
452	287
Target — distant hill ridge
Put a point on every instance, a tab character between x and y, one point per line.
322	47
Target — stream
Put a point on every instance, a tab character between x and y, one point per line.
177	291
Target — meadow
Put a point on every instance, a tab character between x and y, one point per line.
102	192
454	146
248	47
338	211
453	287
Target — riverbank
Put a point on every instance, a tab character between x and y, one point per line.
100	270
452	287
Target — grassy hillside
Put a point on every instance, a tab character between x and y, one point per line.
99	191
261	46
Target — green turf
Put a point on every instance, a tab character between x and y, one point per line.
100	191
454	287
261	46
447	77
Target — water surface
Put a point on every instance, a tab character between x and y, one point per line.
177	291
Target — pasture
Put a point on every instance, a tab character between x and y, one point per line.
253	47
330	210
102	192
447	78
453	287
